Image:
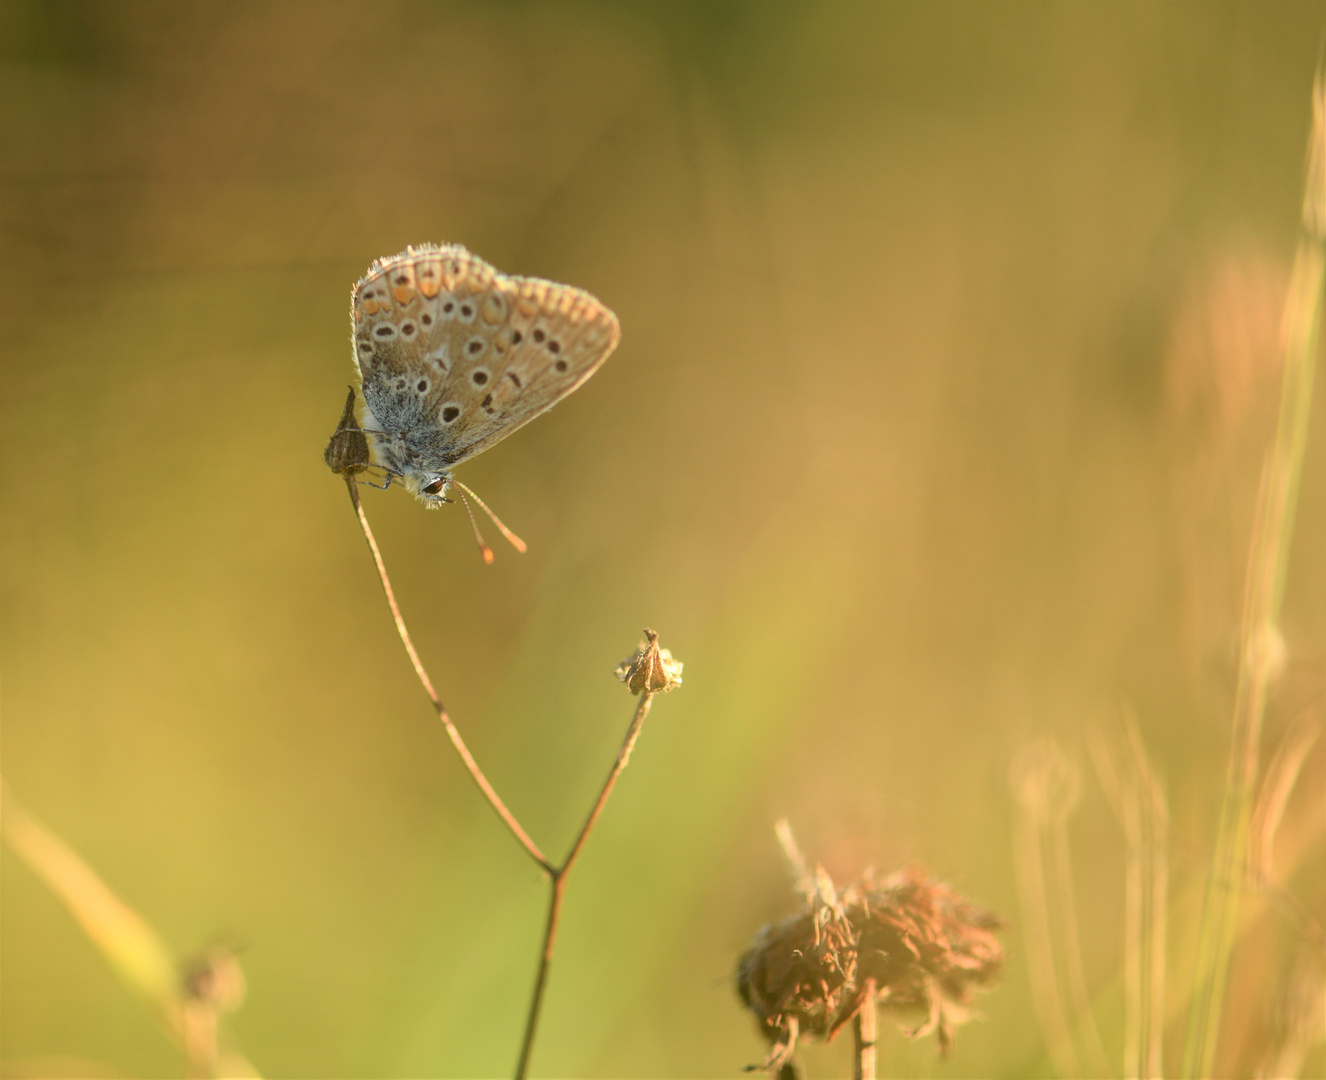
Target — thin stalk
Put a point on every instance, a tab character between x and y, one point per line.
1268	559
864	1027
623	756
1155	818
1046	995
472	766
558	876
1074	970
1137	797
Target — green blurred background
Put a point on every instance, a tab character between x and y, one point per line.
950	351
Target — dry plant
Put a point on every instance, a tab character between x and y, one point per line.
1137	796
1046	785
190	999
1261	645
649	671
906	943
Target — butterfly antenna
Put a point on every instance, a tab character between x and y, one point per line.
484	549
515	541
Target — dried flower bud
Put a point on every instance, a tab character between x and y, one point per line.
649	668
347	451
214	978
912	943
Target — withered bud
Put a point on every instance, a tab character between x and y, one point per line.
909	941
650	669
347	451
214	978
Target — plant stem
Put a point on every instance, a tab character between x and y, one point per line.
541	980
472	766
623	756
558	876
1268	559
864	1026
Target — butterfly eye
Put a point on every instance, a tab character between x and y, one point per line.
435	487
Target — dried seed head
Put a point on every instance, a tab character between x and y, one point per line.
912	942
347	451
925	946
214	978
800	972
649	668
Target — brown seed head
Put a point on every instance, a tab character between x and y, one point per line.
214	978
649	668
913	942
347	451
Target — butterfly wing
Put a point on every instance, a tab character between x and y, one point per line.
455	356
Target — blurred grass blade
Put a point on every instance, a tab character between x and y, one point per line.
1045	785
1137	796
1281	776
131	946
1263	591
140	958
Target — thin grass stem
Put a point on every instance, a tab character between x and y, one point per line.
623	756
1268	559
1154	841
1046	995
865	1027
1071	946
471	766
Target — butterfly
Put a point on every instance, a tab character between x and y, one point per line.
453	356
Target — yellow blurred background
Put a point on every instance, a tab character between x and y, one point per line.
949	357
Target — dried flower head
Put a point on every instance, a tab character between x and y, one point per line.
650	668
907	943
347	450
800	973
214	978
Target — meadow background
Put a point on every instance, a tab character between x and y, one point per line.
949	357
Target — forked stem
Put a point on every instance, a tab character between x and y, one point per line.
559	876
472	766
